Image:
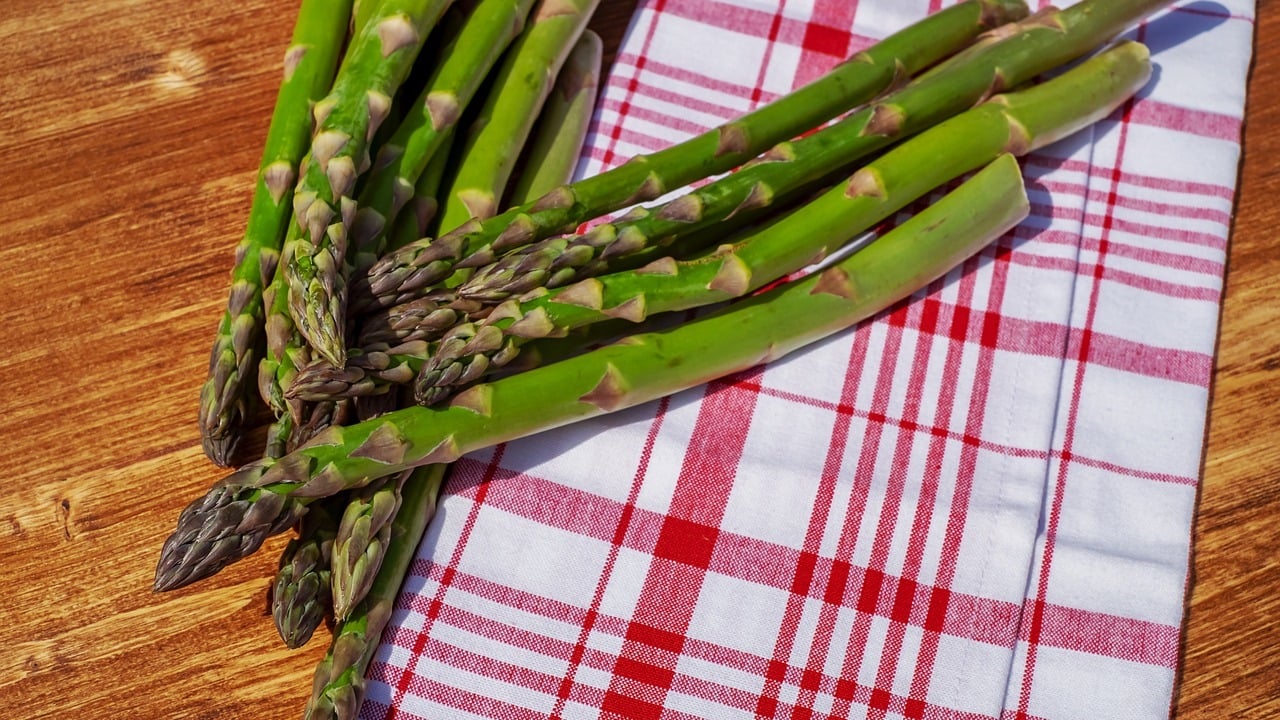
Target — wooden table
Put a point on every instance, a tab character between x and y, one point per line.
129	131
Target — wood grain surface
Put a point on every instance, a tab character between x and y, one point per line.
129	133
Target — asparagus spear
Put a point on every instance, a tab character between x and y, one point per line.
376	63
361	542
286	352
300	596
309	65
369	371
1037	45
1015	122
485	33
339	684
404	274
421	210
252	503
379	369
361	12
520	88
557	261
561	130
426	318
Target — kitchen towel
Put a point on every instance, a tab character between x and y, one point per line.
978	505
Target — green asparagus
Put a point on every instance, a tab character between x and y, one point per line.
369	371
379	369
561	130
420	212
426	318
361	542
1035	46
520	88
264	497
339	684
300	596
418	141
403	275
286	351
376	63
309	66
1015	122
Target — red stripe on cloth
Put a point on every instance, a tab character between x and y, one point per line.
869	594
827	38
645	142
686	102
407	677
680	126
693	77
1210	10
926	489
757	92
1097	633
1035	627
1117	469
475	704
954	515
978	443
985	620
1193	210
1192	237
639	62
623	524
1188	120
1045	339
749	21
802	579
1124	277
1042	211
1173	185
682	552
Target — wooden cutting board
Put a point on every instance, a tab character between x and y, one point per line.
129	134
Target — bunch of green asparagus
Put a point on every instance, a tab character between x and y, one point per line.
412	284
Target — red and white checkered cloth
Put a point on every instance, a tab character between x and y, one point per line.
977	506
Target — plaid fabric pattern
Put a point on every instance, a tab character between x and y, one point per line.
977	506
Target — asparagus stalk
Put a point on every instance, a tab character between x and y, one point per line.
422	209
553	154
418	141
404	274
278	434
502	126
1016	122
377	62
361	12
309	65
558	261
300	596
339	684
252	503
1035	46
